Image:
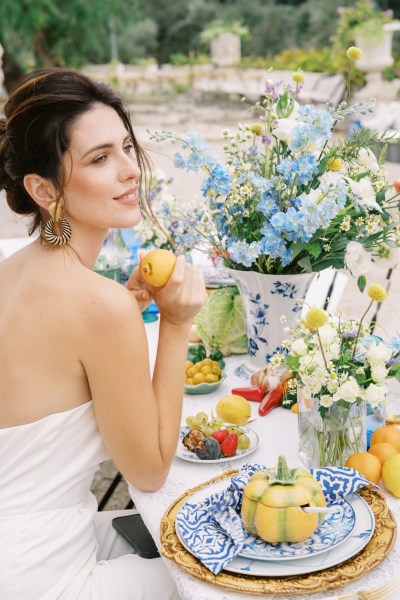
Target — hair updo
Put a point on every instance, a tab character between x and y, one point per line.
35	132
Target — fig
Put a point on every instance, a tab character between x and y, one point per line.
208	449
193	439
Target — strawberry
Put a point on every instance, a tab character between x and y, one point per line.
220	435
230	444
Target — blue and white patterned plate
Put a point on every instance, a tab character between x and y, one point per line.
333	531
185	454
364	525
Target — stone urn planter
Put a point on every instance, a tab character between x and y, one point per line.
377	55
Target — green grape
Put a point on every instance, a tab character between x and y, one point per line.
192	422
243	441
208	431
202	418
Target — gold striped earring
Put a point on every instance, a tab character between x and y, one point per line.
57	231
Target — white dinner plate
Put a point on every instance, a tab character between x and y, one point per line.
185	454
364	524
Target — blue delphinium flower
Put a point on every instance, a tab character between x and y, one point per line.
243	253
219	181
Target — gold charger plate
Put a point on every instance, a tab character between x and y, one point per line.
374	552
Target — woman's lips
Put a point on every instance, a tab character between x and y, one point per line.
131	198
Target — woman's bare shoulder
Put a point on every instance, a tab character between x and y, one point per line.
99	296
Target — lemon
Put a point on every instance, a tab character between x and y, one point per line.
391	474
233	409
157	266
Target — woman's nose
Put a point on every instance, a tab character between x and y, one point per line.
129	168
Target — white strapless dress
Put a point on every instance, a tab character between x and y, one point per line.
49	546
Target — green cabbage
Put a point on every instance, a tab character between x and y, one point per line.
221	322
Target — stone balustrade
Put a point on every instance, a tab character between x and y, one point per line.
137	81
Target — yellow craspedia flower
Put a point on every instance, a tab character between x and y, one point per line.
334	164
316	317
376	292
354	53
298	77
211	192
256	128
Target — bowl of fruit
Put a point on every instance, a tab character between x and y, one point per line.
203	377
208	439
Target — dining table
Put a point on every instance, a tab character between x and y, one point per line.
277	434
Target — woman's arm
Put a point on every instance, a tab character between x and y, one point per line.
138	418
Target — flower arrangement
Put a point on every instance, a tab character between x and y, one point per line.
289	198
335	365
167	227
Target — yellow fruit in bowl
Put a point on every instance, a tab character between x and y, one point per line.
233	409
157	266
391	474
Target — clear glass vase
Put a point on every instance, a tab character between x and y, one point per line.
329	440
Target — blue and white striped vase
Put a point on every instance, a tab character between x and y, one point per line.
265	299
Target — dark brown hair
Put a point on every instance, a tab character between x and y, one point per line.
35	133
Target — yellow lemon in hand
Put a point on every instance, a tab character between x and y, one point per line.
157	266
391	474
233	409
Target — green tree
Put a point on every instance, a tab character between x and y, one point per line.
44	33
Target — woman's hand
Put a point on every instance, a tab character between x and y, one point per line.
181	298
136	285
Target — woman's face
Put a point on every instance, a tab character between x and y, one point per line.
102	175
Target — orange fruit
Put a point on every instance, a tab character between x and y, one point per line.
157	266
386	433
382	451
367	464
294	408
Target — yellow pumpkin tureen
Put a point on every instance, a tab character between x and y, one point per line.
273	502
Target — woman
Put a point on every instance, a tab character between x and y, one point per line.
75	384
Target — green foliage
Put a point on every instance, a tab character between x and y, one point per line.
180	59
43	33
138	41
217	28
314	60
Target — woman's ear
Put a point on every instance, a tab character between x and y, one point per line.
41	190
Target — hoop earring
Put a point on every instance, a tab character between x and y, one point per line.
57	231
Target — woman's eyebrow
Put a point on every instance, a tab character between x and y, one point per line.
99	147
105	146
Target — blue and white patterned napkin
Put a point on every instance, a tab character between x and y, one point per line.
213	530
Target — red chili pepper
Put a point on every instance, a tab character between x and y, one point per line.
255	394
271	400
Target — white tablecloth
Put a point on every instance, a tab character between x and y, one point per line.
278	435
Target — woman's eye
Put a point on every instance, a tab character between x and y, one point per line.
129	147
100	159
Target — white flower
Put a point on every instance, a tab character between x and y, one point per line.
364	193
333	351
378	354
368	159
379	373
326	400
357	259
330	178
284	129
299	347
375	394
348	391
